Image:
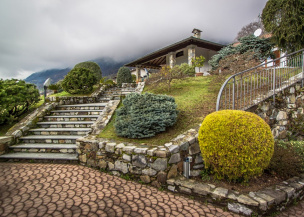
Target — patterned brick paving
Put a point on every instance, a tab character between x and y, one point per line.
72	190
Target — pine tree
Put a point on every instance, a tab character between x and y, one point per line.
285	20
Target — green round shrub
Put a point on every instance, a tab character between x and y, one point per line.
124	76
79	80
143	116
94	67
235	144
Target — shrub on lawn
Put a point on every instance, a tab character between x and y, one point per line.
145	115
235	144
124	76
16	97
79	80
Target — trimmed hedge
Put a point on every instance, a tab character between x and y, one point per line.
145	115
236	145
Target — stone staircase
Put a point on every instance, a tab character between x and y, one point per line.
56	134
116	93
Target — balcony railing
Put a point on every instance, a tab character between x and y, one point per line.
248	88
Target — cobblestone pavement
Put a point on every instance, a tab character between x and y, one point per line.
73	190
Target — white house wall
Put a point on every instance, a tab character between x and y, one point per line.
198	52
207	54
182	59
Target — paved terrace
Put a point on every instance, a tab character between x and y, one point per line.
73	190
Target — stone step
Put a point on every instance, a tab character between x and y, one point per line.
77	112
91	106
40	156
57	139
104	100
43	146
60	131
71	118
65	124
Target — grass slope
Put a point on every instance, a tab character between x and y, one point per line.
195	98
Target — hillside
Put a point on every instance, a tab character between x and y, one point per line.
195	98
108	67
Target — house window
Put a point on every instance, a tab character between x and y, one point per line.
180	54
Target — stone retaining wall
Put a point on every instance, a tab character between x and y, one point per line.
288	106
5	142
149	164
270	199
104	117
70	100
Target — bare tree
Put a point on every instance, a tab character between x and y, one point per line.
249	29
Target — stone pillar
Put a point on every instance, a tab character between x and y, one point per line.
191	54
138	78
172	59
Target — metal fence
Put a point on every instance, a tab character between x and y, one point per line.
246	89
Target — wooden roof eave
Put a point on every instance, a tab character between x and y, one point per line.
175	47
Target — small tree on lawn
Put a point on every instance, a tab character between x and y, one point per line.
198	61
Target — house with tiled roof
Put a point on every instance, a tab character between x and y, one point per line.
177	53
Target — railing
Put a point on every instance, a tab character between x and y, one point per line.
246	89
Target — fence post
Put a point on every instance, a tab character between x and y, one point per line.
274	81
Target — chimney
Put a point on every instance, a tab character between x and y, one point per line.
196	33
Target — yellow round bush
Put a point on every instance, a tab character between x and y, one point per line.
235	144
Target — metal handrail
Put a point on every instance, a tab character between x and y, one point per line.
249	87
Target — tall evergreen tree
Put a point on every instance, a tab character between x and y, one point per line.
285	20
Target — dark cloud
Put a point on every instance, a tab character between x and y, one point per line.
37	35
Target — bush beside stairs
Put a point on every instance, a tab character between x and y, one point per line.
55	135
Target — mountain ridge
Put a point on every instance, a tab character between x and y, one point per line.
108	67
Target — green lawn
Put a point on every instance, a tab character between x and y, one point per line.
4	128
195	98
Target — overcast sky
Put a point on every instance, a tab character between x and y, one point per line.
43	34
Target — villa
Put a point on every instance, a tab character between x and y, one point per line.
180	52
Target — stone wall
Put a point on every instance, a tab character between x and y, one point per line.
5	142
104	117
70	100
288	106
149	164
270	199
